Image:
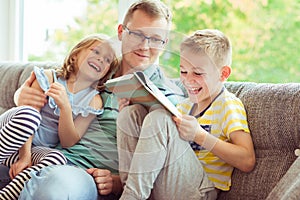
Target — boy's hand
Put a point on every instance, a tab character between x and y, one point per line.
188	127
123	102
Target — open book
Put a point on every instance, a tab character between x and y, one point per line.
139	89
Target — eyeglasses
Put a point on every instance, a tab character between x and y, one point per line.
140	37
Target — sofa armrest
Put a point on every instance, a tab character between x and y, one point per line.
13	75
289	185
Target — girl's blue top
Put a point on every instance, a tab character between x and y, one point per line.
47	133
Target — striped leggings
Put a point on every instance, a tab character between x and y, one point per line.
16	126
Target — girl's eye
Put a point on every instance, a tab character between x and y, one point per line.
95	51
183	72
107	60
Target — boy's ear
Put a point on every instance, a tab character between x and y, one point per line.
225	73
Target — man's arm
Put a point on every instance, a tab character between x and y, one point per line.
26	95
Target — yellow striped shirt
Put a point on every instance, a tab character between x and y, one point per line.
225	115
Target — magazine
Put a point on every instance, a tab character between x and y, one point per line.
139	89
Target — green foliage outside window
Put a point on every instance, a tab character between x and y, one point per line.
264	34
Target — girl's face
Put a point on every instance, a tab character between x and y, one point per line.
200	77
94	62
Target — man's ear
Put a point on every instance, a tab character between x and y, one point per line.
225	73
166	41
120	31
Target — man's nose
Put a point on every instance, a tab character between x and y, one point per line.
145	44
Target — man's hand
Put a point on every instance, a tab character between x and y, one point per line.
26	95
123	103
103	180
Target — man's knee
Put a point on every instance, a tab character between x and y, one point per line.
130	117
131	111
60	182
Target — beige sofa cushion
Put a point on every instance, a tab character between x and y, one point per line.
273	116
13	74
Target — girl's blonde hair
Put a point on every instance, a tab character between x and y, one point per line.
69	65
213	43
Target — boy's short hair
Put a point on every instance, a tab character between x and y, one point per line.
213	43
154	8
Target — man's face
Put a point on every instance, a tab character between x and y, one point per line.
142	39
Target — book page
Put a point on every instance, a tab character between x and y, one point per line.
153	89
120	78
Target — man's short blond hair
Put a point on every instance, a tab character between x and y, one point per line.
153	8
213	43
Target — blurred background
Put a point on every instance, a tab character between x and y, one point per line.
265	34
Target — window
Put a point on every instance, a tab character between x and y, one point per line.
264	37
42	18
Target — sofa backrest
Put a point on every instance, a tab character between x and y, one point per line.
13	75
273	117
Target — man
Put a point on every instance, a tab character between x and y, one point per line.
143	35
154	162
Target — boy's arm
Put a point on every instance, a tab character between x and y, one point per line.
239	153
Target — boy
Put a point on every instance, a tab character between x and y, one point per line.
214	120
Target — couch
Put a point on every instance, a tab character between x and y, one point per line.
273	116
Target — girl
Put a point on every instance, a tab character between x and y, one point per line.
73	102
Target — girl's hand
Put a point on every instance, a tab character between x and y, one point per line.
188	127
123	103
103	179
58	92
19	166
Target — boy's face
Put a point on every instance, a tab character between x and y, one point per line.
201	78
